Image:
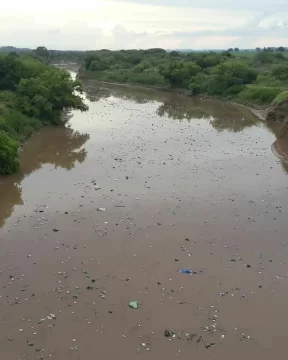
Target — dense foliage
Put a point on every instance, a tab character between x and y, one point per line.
247	77
8	153
129	66
32	93
52	56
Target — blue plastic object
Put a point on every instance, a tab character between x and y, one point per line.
186	271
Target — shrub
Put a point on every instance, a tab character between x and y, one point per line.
258	95
199	84
179	73
16	124
279	55
234	90
96	65
264	57
234	73
280	98
281	72
8	99
147	77
142	66
9	163
268	80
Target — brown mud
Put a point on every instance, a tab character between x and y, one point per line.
110	208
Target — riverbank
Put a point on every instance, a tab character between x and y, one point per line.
251	81
35	95
260	111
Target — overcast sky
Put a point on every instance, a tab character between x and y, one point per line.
122	24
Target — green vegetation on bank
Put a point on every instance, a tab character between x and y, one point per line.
32	94
280	98
126	66
253	79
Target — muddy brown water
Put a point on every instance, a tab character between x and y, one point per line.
184	184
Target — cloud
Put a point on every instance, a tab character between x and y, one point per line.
244	36
252	28
123	38
144	23
213	4
76	36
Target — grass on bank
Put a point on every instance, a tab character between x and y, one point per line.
280	98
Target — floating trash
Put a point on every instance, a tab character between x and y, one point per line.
134	305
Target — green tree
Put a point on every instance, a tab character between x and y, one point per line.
207	60
232	74
88	60
42	51
200	84
281	48
48	96
11	71
144	65
179	72
174	53
97	65
226	79
237	72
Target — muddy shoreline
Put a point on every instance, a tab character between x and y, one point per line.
260	111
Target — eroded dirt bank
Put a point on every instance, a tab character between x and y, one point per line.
110	210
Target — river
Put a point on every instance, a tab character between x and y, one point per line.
110	208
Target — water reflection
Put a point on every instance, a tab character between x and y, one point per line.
95	92
10	195
222	116
61	147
